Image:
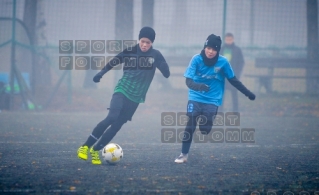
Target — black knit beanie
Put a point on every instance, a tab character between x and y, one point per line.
147	32
214	42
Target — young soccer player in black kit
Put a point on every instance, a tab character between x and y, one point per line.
205	78
139	66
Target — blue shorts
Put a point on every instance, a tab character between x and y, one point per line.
197	108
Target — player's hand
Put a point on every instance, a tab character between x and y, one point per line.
97	78
204	87
252	96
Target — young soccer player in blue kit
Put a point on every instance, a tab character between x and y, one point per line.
129	92
205	78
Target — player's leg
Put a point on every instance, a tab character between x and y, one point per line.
188	134
114	111
208	116
109	134
126	114
227	89
234	94
192	112
187	140
105	139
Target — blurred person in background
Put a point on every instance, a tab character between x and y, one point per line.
235	57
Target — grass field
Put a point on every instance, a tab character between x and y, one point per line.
38	150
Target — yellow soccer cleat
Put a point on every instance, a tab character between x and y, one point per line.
95	157
83	152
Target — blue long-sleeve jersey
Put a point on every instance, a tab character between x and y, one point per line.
213	76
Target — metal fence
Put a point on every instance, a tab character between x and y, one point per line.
262	28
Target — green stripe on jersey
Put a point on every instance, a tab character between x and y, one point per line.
135	83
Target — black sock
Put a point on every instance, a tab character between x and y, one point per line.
108	135
90	141
100	129
188	134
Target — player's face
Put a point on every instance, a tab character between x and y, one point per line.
229	40
210	52
145	44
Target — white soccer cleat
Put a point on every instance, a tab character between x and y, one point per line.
182	158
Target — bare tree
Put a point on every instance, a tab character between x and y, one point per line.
124	20
148	13
36	25
313	44
123	23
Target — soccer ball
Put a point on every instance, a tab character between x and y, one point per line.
112	153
